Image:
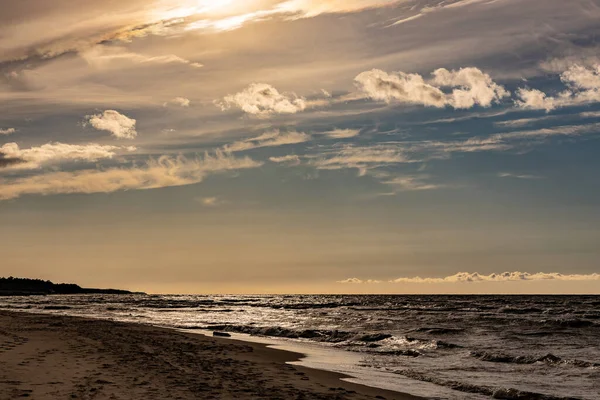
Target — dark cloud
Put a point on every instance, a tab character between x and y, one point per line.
9	161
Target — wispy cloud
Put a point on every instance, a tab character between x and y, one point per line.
429	9
210	201
516	123
361	157
104	56
273	138
474	277
162	172
342	133
50	153
411	183
564	130
289	159
518	176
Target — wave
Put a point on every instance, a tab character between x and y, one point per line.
569	323
332	336
549	359
494	392
439	331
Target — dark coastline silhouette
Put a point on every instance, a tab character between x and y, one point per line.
25	287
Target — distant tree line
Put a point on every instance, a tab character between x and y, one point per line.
16	286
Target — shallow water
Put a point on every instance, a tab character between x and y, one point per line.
447	347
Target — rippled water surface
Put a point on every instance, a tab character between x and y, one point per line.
451	347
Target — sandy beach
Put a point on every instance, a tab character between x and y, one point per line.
57	357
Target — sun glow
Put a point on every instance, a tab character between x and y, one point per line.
171	9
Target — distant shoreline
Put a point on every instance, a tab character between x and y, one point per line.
37	287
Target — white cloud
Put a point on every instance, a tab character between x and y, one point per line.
262	99
359	281
583	87
473	87
470	86
178	101
289	159
121	126
163	172
342	133
468	277
269	139
399	86
535	99
36	157
501	277
8	131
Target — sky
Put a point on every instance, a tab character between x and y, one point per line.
302	146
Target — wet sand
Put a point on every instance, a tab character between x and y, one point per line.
56	357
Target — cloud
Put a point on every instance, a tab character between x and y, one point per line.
361	157
157	173
565	130
535	99
36	157
289	159
525	121
178	101
468	277
96	23
399	86
583	87
586	57
501	277
358	281
262	99
470	87
590	114
121	126
103	56
473	87
411	183
8	131
210	201
470	145
517	176
269	139
342	133
428	9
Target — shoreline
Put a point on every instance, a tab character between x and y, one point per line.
46	356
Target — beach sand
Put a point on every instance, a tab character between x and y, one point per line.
58	357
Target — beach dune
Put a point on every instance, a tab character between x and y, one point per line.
59	357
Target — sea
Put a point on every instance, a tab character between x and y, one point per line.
437	347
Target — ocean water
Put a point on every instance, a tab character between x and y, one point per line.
442	347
